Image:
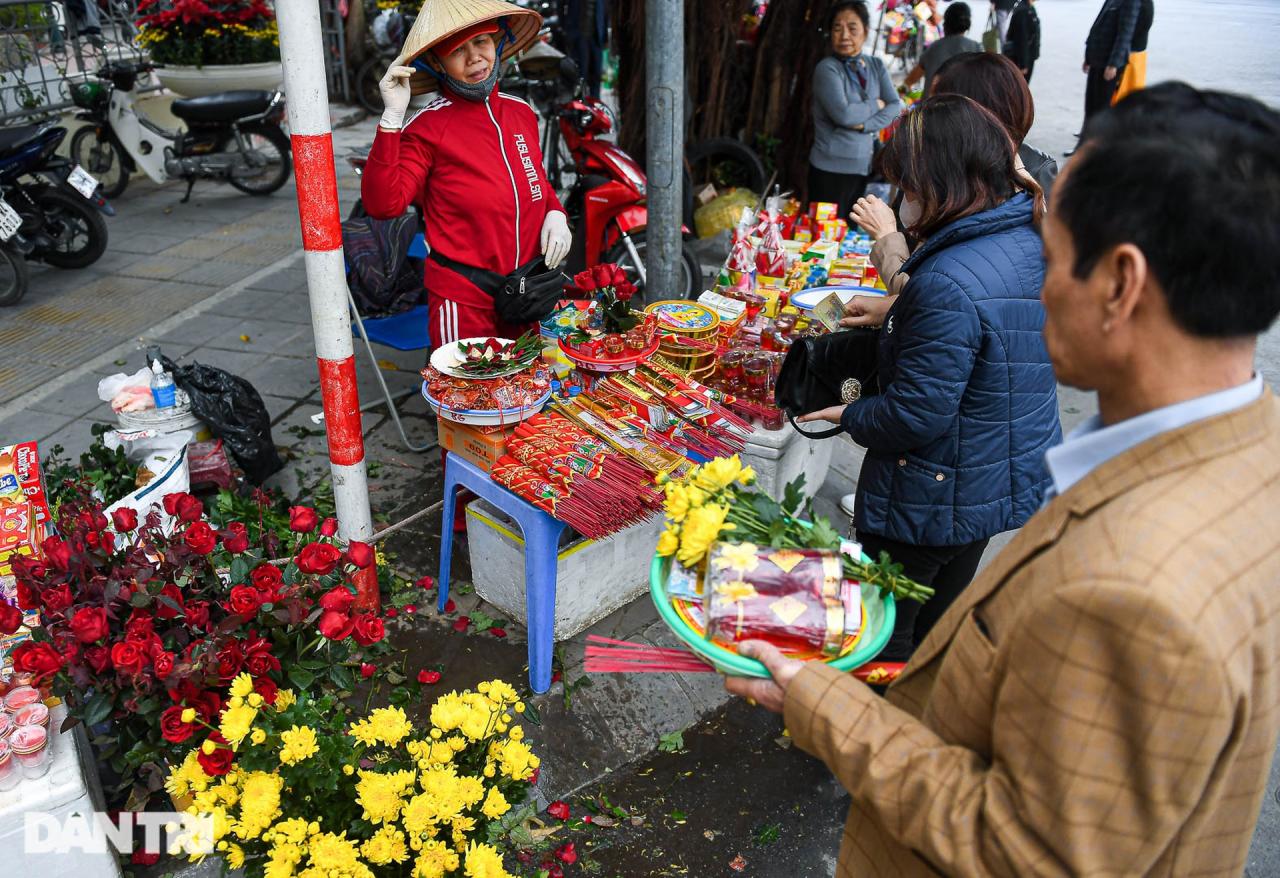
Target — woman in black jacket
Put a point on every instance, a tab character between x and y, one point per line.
1022	46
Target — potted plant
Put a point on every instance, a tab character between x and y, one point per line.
144	623
208	47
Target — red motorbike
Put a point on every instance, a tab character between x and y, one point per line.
606	202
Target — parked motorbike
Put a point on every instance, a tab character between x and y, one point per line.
232	136
605	194
606	203
50	209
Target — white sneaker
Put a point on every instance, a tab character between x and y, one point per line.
846	504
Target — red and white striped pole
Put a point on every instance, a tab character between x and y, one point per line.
302	51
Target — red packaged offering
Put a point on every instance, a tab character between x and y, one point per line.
791	598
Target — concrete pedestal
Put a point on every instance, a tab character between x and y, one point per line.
779	456
593	577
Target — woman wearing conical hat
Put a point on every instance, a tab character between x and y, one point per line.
469	158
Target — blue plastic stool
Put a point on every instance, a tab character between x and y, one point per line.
541	548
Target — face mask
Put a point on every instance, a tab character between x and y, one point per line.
909	211
474	91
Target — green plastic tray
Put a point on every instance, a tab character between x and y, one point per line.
880	614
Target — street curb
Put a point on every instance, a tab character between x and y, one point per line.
345	116
124	349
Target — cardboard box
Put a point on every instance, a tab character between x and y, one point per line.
20	473
480	447
823	210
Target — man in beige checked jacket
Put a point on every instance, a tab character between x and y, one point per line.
1104	699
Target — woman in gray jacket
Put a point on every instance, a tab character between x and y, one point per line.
853	98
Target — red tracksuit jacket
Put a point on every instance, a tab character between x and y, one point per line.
476	170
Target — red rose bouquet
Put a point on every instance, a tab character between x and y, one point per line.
607	284
144	626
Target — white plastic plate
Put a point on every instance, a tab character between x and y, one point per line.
807	300
448	359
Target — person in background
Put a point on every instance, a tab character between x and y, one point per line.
1106	52
1023	45
1004	11
955	24
853	98
1135	72
967	405
1105	698
994	82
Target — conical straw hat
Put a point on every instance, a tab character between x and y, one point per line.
440	19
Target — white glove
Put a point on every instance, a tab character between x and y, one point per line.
395	97
556	238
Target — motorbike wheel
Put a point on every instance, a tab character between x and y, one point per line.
13	276
366	84
102	158
269	142
726	161
78	231
688	287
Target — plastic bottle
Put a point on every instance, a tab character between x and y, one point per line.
162	389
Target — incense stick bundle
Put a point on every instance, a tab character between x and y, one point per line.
608	656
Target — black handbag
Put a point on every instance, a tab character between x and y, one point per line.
527	295
827	370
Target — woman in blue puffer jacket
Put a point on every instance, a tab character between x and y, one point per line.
968	404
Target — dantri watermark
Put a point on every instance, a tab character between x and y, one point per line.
170	832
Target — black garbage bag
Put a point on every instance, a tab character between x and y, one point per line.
234	412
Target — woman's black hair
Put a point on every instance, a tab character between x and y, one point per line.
955	158
957	19
857	7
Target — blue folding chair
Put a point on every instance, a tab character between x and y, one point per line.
406	331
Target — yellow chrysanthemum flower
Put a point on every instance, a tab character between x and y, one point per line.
716	475
448	713
188	715
242	685
236	723
382	795
385	846
235	855
501	692
435	860
669	542
259	803
186	776
440	754
292	831
483	861
297	744
386	725
284	700
334	854
257	736
677	502
701	528
495	804
516	760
